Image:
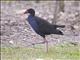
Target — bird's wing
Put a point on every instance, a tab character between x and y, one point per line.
57	26
41	21
44	26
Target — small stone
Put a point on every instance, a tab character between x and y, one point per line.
11	42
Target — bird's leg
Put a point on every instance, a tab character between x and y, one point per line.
33	45
46	45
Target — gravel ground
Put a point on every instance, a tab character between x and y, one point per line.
15	30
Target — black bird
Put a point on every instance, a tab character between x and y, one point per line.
41	26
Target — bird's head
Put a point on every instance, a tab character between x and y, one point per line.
30	11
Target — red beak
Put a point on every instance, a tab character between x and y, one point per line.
25	12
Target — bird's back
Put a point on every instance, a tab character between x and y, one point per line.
47	28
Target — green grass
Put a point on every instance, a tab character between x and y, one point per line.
61	52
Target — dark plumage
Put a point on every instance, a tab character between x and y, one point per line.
42	27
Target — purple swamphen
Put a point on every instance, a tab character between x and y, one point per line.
42	27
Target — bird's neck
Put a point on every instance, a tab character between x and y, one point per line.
31	15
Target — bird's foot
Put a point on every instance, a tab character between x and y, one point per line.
42	42
45	41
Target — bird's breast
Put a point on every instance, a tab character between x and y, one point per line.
33	23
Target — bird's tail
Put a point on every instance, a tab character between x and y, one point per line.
56	31
61	26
